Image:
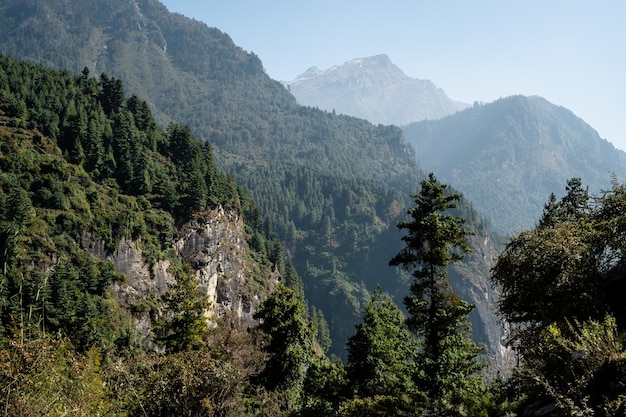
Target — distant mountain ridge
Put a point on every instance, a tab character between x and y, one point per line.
374	89
509	155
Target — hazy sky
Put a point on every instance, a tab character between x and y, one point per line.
573	52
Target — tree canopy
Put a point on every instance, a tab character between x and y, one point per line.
561	286
448	359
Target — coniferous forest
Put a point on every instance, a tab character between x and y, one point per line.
85	167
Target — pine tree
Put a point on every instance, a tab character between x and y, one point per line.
289	342
380	355
437	315
185	327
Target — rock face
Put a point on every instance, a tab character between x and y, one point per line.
216	249
488	328
214	246
373	89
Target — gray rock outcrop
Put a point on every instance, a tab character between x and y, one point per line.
214	245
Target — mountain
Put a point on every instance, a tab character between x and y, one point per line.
374	89
510	155
331	187
102	212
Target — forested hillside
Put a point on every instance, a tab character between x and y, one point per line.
71	343
88	174
506	156
83	169
196	76
69	339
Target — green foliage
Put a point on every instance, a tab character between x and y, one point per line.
48	282
559	285
336	232
97	128
381	357
213	380
288	341
86	169
46	377
448	359
185	326
582	366
573	206
567	267
324	387
322	333
377	406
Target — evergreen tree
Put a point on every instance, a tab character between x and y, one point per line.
289	342
185	324
125	146
435	239
111	94
380	356
571	207
324	387
322	332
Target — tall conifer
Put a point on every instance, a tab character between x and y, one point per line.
437	315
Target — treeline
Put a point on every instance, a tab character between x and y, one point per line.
111	136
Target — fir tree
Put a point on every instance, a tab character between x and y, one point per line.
380	356
437	315
289	342
185	326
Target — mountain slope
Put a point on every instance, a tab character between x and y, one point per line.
139	41
331	187
102	212
374	89
509	155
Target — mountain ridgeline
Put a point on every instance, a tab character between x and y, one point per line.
507	156
330	187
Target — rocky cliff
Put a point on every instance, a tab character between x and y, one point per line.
214	245
470	281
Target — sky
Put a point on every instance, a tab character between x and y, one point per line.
573	53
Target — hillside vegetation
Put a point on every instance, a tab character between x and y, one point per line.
67	343
82	162
69	346
507	156
78	155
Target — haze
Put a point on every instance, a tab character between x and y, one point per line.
570	52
